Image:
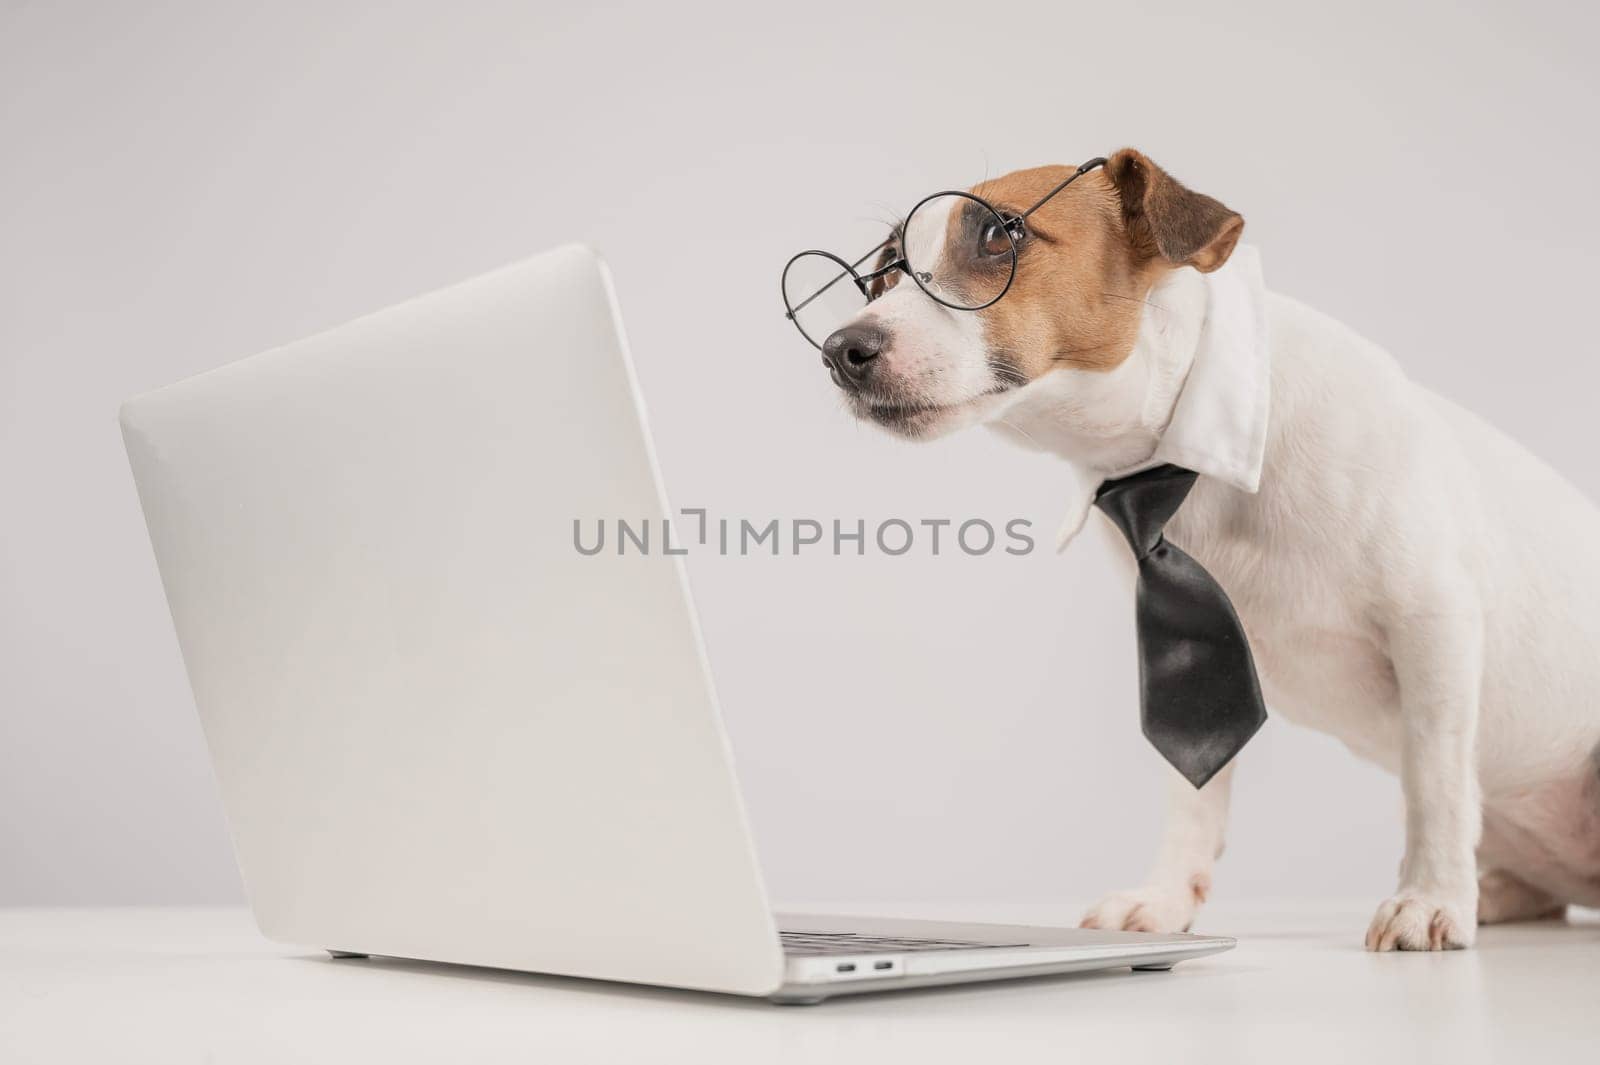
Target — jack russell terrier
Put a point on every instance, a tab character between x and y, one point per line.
1410	580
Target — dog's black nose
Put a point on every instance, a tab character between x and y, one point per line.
850	353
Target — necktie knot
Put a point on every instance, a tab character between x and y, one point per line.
1141	504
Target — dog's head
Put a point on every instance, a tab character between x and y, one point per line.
1086	261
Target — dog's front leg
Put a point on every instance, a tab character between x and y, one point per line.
1181	878
1437	655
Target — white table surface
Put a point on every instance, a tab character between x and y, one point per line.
193	985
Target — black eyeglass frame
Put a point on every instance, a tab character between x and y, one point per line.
1013	225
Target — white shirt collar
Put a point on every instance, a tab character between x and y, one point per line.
1218	426
1219	423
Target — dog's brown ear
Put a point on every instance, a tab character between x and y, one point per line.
1165	219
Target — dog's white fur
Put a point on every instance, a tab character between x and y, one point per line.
1412	582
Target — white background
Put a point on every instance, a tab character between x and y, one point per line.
183	185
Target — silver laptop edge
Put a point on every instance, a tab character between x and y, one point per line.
439	731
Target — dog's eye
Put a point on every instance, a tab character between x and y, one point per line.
994	240
879	285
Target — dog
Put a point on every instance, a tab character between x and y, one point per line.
1411	581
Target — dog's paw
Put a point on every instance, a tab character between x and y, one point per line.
1150	908
1415	921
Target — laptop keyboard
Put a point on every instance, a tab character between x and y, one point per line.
823	943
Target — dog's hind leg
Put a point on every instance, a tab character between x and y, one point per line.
1503	897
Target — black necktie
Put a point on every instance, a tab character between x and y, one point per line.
1199	700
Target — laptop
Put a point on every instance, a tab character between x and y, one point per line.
442	733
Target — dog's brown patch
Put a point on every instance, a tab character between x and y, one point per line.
1167	221
879	285
1090	257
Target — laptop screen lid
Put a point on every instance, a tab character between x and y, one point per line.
440	731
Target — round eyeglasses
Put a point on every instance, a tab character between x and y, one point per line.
958	248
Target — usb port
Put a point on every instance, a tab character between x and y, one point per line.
846	967
883	965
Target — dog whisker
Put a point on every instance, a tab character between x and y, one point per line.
1014	427
1005	372
1134	299
1065	354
